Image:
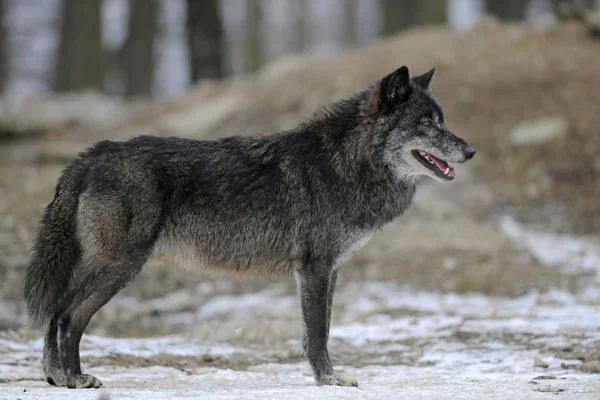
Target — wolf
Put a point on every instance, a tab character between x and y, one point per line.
298	202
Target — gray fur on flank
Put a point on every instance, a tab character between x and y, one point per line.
296	202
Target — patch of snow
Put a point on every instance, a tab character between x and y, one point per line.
439	346
291	381
97	346
226	304
571	254
387	329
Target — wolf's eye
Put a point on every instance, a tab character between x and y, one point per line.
426	122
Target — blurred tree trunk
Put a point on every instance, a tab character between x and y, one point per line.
350	23
298	9
81	58
507	10
399	14
3	50
432	12
137	54
253	48
205	39
579	10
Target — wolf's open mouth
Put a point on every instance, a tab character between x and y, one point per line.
439	167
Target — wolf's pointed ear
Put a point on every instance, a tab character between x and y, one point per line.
394	87
424	80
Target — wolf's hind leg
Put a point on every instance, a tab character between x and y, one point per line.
117	238
314	285
53	373
73	322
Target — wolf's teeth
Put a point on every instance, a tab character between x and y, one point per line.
447	171
421	152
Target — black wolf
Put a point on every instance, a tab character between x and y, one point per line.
297	202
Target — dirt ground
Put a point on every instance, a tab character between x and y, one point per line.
454	299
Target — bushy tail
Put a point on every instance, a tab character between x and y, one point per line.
56	249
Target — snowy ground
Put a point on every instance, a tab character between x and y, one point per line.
396	341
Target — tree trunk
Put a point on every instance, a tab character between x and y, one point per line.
399	14
81	58
253	54
137	54
205	39
298	9
508	10
432	12
3	52
350	23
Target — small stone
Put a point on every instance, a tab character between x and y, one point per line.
199	371
538	132
538	362
548	389
544	377
596	164
592	367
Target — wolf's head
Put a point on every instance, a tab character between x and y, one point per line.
416	139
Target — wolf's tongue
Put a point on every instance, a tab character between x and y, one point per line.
441	164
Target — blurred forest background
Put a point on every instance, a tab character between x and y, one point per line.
505	258
159	47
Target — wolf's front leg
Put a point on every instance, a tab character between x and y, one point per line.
314	284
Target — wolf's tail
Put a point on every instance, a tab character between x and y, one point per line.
56	250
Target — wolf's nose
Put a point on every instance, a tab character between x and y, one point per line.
470	152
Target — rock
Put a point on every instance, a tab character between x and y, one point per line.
548	389
200	371
544	377
538	132
538	362
592	367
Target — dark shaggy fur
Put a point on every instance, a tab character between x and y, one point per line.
299	202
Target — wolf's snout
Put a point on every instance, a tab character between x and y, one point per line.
469	152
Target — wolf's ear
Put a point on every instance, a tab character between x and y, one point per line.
394	87
425	79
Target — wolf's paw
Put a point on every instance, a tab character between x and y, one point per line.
82	381
54	377
337	379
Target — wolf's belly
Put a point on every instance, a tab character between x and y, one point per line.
252	256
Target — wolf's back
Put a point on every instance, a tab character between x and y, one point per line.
55	251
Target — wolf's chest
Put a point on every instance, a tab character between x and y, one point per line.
351	245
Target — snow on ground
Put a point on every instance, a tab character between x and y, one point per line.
433	346
572	254
272	381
